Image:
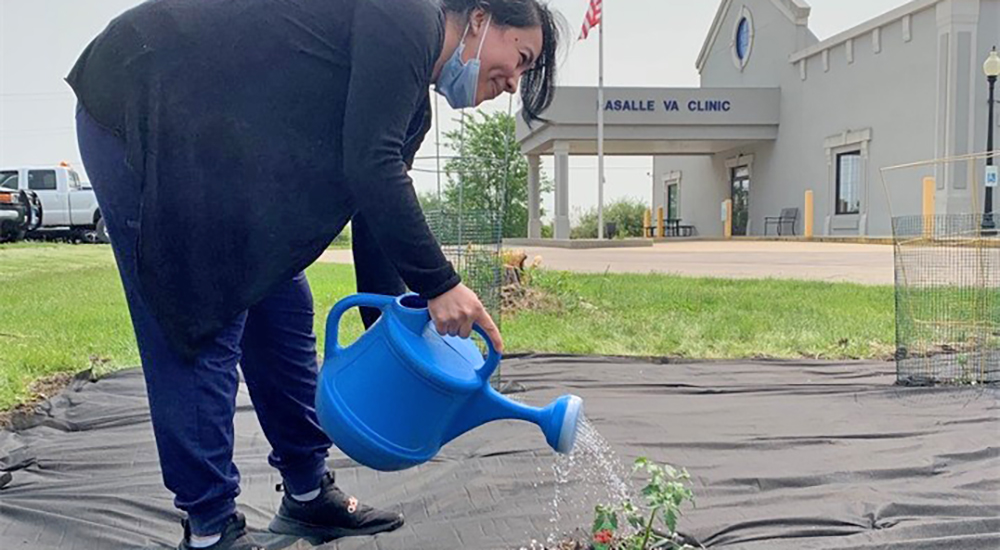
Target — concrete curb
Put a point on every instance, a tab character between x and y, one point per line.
579	244
587	244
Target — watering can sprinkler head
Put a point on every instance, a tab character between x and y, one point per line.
560	422
564	423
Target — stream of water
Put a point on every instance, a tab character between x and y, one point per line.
592	474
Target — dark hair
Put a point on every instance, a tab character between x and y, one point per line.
538	83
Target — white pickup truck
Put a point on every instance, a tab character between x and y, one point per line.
68	205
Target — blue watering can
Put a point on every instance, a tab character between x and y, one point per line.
401	391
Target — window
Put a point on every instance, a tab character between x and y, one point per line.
42	180
8	180
74	180
743	38
741	45
849	183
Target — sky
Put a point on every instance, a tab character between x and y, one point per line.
650	43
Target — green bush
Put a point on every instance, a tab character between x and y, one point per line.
626	214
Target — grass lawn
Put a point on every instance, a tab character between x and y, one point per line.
62	310
663	315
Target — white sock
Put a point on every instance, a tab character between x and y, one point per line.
306	497
203	542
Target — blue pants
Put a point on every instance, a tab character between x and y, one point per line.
192	404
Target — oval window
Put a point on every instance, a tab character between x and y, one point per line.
743	39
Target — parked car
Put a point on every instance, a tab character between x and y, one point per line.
69	206
20	212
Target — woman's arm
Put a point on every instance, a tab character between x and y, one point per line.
394	46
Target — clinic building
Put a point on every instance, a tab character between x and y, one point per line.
779	112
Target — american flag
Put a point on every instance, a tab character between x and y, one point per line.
592	19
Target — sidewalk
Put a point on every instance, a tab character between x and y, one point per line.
834	262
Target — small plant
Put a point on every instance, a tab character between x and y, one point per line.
605	526
664	494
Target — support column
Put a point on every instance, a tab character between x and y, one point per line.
561	151
534	197
958	73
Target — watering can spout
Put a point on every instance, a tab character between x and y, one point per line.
558	421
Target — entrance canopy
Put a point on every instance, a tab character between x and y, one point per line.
641	121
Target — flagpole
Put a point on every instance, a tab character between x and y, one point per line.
437	147
600	128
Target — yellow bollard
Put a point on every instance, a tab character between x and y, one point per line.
646	221
808	219
930	188
659	223
728	232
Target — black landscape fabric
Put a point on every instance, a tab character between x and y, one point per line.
783	455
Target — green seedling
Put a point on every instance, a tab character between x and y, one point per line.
663	495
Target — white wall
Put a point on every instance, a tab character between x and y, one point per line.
890	96
706	181
988	36
775	38
700	187
891	93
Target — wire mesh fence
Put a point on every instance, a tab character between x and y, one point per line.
947	300
471	240
469	209
947	267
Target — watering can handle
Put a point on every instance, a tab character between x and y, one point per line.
492	360
378	301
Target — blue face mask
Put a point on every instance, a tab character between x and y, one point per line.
459	81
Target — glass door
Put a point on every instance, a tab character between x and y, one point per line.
673	212
741	199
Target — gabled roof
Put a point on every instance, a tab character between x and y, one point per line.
797	11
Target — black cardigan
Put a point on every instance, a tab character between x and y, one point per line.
259	128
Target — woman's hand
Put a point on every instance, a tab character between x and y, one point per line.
455	311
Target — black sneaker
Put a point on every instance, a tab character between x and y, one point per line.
234	536
330	516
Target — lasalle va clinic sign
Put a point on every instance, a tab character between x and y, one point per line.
668	105
689	106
